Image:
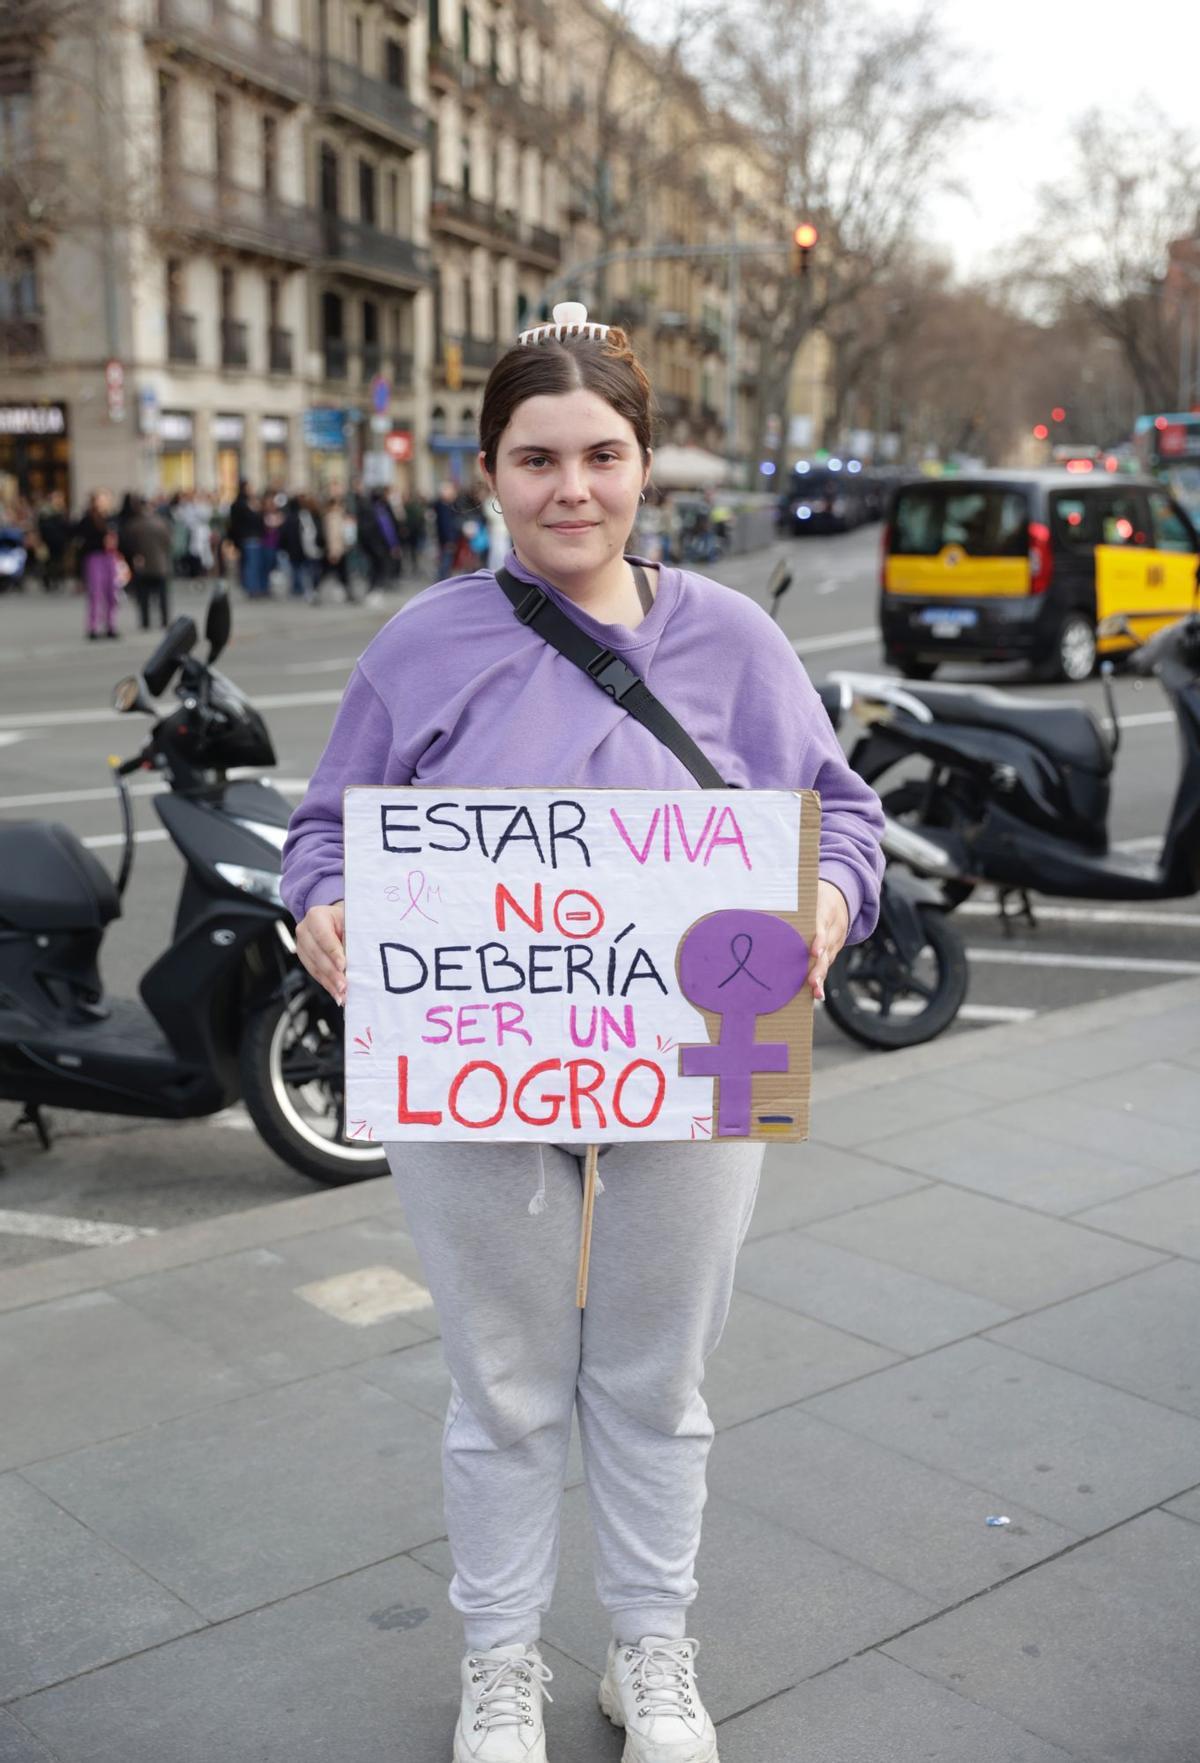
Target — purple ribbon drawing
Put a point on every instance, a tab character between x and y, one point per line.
744	965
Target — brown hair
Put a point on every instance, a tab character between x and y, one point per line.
606	366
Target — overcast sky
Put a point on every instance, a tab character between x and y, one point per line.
1043	61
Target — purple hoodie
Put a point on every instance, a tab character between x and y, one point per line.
455	690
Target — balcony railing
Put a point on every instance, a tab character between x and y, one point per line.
217	32
181	336
453	207
444	62
402	372
386	107
194	201
22	336
352	241
542	241
337	359
372	360
479	352
235	344
279	350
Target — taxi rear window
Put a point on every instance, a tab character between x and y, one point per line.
983	521
1109	516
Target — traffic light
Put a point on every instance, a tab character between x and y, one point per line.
803	240
1058	413
1041	432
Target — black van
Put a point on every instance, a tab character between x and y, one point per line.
1021	565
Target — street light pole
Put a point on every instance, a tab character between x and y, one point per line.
731	343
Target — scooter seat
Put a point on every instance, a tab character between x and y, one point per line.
1067	732
49	881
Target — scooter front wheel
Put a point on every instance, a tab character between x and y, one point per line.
877	996
292	1084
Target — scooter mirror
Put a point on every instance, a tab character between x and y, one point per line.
131	694
179	640
219	622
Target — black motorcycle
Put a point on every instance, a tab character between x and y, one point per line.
908	980
1017	794
227	1012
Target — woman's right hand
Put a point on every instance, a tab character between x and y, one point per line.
321	946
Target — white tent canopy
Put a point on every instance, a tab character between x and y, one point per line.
688	468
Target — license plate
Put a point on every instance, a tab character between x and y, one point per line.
948	621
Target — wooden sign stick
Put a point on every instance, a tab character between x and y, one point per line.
585	1241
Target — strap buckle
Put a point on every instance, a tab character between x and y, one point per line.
612	676
528	609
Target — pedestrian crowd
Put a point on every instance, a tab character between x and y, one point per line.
302	545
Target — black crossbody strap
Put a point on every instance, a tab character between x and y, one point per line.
610	673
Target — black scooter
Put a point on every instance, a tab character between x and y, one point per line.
1018	794
908	981
227	1011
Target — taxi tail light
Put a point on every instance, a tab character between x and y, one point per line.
886	546
1041	558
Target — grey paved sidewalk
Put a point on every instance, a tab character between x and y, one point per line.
976	1292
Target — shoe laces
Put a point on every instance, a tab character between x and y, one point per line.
504	1700
663	1675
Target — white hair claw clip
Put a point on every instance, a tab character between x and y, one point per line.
570	320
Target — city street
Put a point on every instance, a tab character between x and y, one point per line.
107	1178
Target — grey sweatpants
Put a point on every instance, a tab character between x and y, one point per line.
665	1236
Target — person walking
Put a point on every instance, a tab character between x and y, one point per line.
246	532
54	531
149	552
415	533
457	692
447	526
99	565
300	541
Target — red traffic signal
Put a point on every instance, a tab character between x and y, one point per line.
1041	432
1058	413
803	239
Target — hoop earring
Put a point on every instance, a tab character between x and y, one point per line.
496	506
642	497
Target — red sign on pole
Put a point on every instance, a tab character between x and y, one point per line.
400	445
114	386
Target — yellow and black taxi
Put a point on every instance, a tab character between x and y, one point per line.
1023	565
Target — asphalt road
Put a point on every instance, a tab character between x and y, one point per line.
108	1177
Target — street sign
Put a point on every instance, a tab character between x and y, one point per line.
400	445
381	393
379	424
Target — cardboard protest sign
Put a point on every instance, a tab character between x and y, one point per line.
578	965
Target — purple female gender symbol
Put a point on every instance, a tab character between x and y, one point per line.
744	964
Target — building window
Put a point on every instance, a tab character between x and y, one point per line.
367	211
333	336
270	156
372	354
329	181
465	16
435	23
393	205
393	64
168	122
18	288
222	118
16	115
358	42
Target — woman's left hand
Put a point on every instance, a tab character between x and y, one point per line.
833	925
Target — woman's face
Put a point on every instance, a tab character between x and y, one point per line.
568	476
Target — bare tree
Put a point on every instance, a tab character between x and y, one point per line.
634	73
858	113
1100	244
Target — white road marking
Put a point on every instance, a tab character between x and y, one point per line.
838	640
1088	915
996	1013
105	841
235	1117
12	737
338	663
1094	963
287	786
85	718
88	1232
1151	844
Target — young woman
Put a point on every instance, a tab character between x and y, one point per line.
456	690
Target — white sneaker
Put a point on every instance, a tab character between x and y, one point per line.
501	1716
650	1689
